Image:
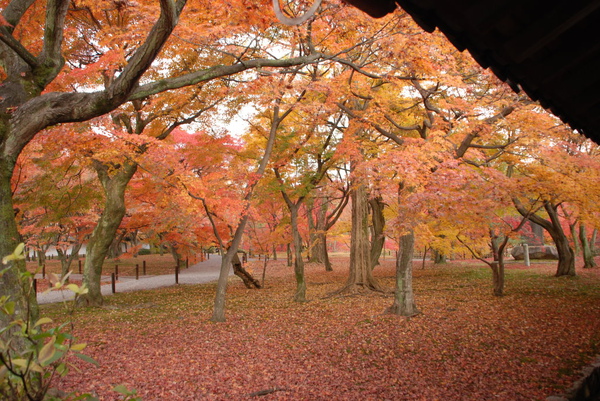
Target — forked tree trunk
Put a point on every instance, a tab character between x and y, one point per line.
377	236
105	230
66	258
404	299
360	275
318	234
588	255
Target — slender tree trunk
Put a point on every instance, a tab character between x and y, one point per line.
219	306
497	266
105	230
300	295
66	258
588	256
274	252
41	257
220	295
377	236
360	275
575	236
289	255
404	299
11	284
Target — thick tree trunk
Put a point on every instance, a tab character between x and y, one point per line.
377	236
360	275
588	255
498	278
566	256
439	257
105	230
404	299
11	284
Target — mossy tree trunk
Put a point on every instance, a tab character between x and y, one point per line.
588	255
11	284
404	299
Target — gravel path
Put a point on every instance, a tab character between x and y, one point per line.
202	272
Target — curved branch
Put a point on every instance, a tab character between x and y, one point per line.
143	57
217	72
298	20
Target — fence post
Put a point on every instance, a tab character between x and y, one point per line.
526	254
177	273
116	272
113	283
144	268
137	271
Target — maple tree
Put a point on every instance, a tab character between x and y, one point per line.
82	46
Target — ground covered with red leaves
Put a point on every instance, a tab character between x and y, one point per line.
465	345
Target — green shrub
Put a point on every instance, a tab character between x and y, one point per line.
32	354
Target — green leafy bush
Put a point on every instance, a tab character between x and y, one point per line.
32	354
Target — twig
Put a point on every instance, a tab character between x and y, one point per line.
267	391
